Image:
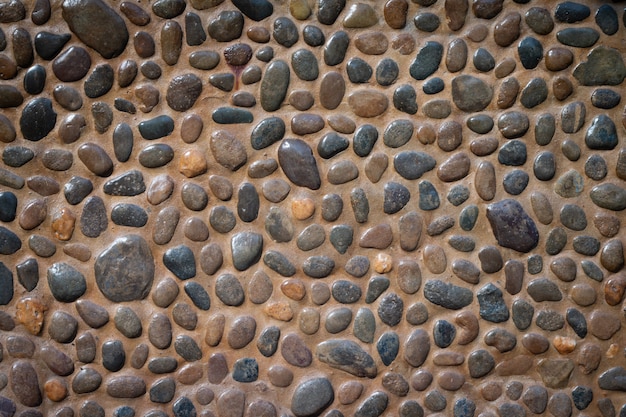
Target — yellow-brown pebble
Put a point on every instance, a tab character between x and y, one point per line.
279	310
564	345
63	224
383	263
55	389
192	163
302	208
30	313
294	289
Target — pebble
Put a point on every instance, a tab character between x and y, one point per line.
312	396
583	37
447	295
544	166
471	94
558	59
507	30
435	401
427	61
573	217
71	65
347	356
435	259
508	92
86	380
280	376
456	12
601	134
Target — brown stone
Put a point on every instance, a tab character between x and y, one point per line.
454	168
491	391
377	237
541	207
33	214
435	259
456	12
302	99
535	343
55	389
215	329
589	358
332	89
518	365
189	374
375	166
484	146
603	325
478	33
404	43
78	251
614	289
583	294
192	163
558	58
410	230
293	288
449	136
349	392
562	87
144	44
426	133
258	34
445	358
607	224
341	123
280	376
217	369
612	255
468	322
8	67
395	12
456	56
485	181
507	94
148	96
227	150
372	43
450	380
507	30
367	103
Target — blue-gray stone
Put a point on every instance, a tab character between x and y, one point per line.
576	319
122	142
492	305
127	214
530	52
405	99
458	195
274	85
336	48
592	270
346	292
570	12
357	266
162	365
387	72
609	196
245	370
38	118
601	134
544	166
267	343
427	61
412	165
76	189
347	356
607	20
318	266
483	60
28	274
156	127
6	285
444	333
578	37
512	410
512	153
246	249
613	379
586	245
604	66
198	295
468	217
187	348
396	196
535	264
248	202
480	363
388	346
464	407
229	290
8	207
332	206
426	21
162	391
181	261
341	237
511	226
604	98
298	163
331	145
364	139
433	86
398	133
304	64
364	326
429	198
312	396
447	295
360	205
436	401
358	71
285	32
535	93
267	132
545	126
113	355
66	283
375	287
17	156
582	397
231	115
373	406
183	407
515	181
279	263
124	411
313	36
35	79
573	217
256	10
462	243
338	320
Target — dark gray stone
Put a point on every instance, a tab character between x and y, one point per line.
512	226
447	295
427	61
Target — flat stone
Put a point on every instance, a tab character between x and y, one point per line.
447	295
311	397
347	356
470	94
427	61
578	37
521	235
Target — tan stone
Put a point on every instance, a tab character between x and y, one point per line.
435	259
293	288
468	322
30	312
189	374
299	9
383	263
372	43
215	329
192	163
55	389
302	208
63	224
280	310
368	103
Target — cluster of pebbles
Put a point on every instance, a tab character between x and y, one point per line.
239	208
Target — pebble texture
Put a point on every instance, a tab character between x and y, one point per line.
312	208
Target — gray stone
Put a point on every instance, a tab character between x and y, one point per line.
311	397
347	356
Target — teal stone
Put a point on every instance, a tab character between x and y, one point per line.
468	217
427	61
388	346
157	127
231	115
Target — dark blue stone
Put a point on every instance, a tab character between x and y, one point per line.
396	196
256	10
35	80
6	285
390	309
157	127
427	61
444	333
606	19
267	132
313	36
38	119
267	343
582	397
332	144
492	306
433	86
602	133
375	287
231	115
346	292
468	217
17	156
429	198
364	139
336	48
181	261
124	411
279	263
577	321
183	407
530	52
248	202
8	207
113	355
512	153
246	370
126	214
387	72
515	181
578	37
458	195
198	295
604	98
483	60
570	12
341	237
358	71
388	346
405	99
411	165
163	390
464	407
